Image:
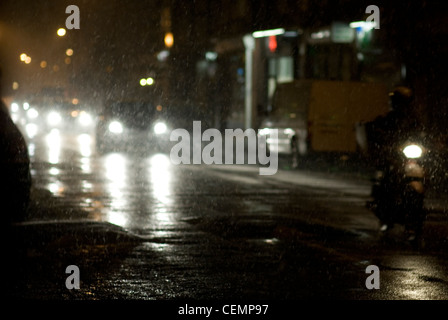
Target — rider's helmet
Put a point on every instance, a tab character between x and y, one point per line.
401	98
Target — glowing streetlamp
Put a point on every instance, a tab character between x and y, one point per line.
61	32
169	40
146	82
25	58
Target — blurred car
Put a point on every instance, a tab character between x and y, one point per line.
38	118
66	116
123	124
70	117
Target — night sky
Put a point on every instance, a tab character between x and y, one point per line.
114	36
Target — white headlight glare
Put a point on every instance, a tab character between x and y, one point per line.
160	128
264	131
31	130
54	118
85	119
32	113
14	107
288	131
115	127
413	151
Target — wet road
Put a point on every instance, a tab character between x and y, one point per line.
212	232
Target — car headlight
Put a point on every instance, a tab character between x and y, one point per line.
32	113
116	127
31	130
160	128
85	119
54	118
14	107
413	151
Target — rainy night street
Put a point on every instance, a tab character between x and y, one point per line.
223	158
139	227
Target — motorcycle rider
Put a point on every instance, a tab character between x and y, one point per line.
385	134
385	131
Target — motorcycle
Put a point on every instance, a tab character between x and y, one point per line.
398	189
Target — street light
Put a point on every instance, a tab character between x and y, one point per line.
61	32
169	40
25	58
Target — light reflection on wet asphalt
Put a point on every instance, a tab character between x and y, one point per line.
131	190
143	191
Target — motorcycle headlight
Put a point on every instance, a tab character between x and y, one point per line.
413	151
116	127
160	128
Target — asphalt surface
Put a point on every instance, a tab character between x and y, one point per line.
150	231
